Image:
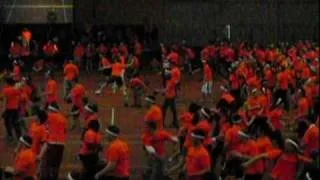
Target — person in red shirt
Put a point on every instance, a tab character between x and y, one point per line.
207	86
77	94
89	152
16	71
25	164
170	101
15	51
71	73
38	131
154	112
138	87
52	151
51	91
50	49
283	80
310	141
78	54
189	58
154	145
11	96
288	161
117	157
198	163
303	106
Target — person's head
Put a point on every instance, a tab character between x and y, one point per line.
112	132
94	125
291	146
91	108
150	100
194	108
25	142
198	136
41	117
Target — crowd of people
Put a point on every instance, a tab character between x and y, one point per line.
264	125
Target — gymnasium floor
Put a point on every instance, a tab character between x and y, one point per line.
128	119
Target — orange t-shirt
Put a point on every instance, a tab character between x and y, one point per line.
286	165
251	149
275	116
198	159
27	35
12	96
228	97
235	83
90	137
311	140
188	142
175	75
78	92
232	138
57	127
270	78
39	135
303	107
117	69
283	79
52	90
155	114
208	74
71	72
16	73
186	119
157	141
254	82
118	152
79	51
171	89
25	162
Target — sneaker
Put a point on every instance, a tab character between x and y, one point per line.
98	92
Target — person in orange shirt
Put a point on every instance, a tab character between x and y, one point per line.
117	72
91	114
71	73
89	152
51	91
11	103
198	163
311	141
170	101
247	150
38	131
138	88
78	53
52	151
116	156
77	94
283	80
154	140
16	72
207	82
303	107
288	161
25	164
154	112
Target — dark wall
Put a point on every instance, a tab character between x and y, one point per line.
197	20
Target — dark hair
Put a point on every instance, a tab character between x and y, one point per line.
114	129
94	125
42	116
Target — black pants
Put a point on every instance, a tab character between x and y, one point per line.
172	104
52	162
277	136
282	93
11	121
89	163
253	177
